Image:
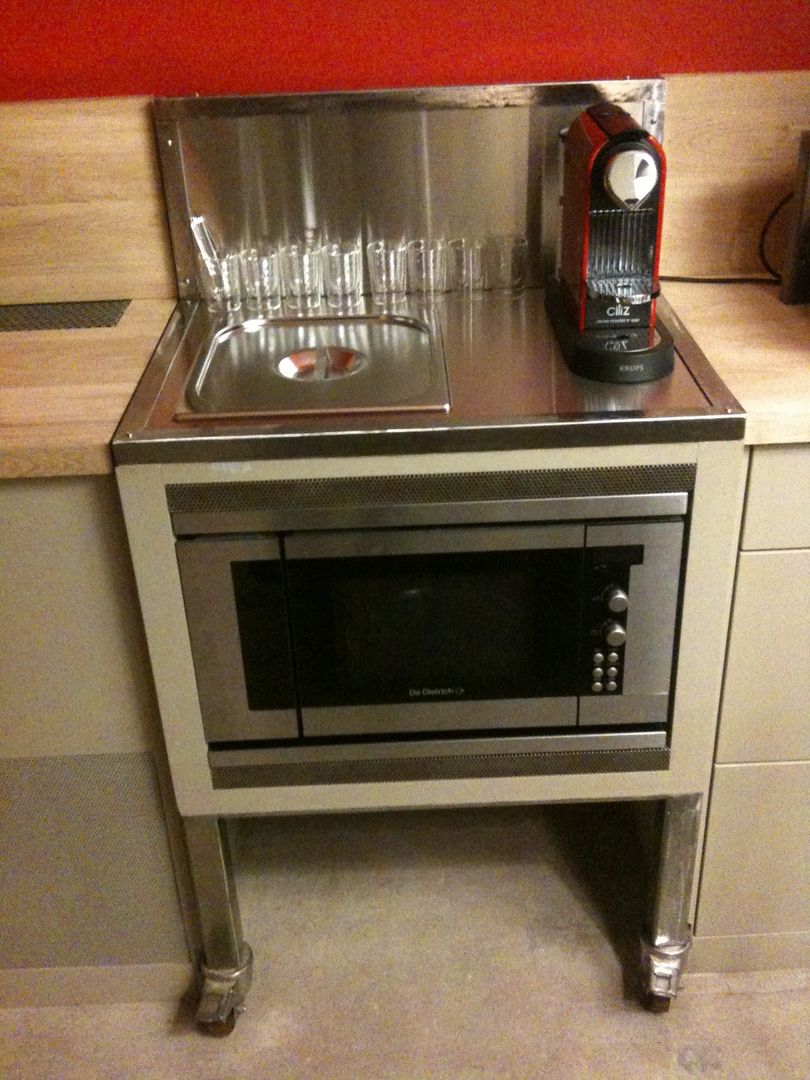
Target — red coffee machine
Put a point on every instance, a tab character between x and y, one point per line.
602	302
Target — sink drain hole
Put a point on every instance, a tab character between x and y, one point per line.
321	363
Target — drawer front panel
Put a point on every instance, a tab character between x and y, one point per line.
777	513
756	874
766	702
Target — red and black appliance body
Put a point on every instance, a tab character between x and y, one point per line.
602	303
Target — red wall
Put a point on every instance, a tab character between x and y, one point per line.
91	48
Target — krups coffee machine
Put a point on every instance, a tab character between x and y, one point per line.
602	301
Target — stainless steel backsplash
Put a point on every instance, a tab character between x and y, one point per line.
471	161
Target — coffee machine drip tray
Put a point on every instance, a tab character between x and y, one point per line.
318	366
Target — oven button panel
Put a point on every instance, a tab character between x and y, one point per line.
607	603
605	679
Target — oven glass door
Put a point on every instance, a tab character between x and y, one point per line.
233	589
448	629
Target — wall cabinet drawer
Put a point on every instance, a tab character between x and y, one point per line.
777	511
756	874
766	701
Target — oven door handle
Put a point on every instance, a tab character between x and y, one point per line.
368	543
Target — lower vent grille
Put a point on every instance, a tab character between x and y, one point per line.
463	767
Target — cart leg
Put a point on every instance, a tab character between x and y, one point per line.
227	960
665	947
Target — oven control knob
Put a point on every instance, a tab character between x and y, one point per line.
616	599
614	634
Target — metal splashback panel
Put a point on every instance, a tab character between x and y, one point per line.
470	161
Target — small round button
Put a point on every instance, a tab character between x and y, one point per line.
597	673
613	658
596	687
616	599
614	633
611	685
612	672
598	658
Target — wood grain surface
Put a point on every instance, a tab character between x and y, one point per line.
81	203
759	347
732	146
62	392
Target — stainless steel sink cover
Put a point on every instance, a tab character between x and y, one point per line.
319	365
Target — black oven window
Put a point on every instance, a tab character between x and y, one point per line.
474	626
263	633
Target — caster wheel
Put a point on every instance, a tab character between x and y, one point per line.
218	1029
656	1003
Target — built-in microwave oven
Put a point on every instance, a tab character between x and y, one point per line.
412	641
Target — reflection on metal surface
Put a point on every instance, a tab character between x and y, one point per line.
668	938
461	767
321	363
433	163
474	745
470	161
649	92
509	387
270	367
456	758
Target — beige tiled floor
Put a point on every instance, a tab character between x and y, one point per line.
461	945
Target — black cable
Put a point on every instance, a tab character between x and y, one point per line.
775	276
763	234
721	280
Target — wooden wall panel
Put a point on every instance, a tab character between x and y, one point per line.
81	203
732	144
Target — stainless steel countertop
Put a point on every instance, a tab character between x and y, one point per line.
509	389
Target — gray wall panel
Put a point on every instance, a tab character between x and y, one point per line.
86	875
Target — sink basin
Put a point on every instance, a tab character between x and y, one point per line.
320	365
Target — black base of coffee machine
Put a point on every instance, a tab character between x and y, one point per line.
620	354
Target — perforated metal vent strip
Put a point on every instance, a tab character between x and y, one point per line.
443	488
75	315
463	767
